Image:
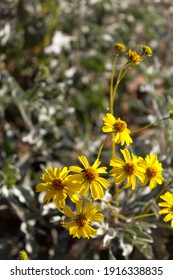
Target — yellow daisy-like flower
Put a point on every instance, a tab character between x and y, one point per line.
58	186
133	57
111	124
146	50
23	255
153	171
120	47
89	178
129	170
80	227
168	207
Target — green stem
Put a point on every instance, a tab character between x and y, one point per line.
125	72
144	215
112	85
113	144
119	78
148	125
144	127
102	145
118	191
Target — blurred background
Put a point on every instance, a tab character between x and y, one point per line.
55	67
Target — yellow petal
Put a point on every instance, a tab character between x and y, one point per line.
133	182
168	217
84	188
96	190
107	129
118	162
126	155
167	197
103	182
101	170
75	168
164	204
97	217
152	184
164	211
84	161
64	172
68	212
43	187
90	231
122	177
79	206
96	164
49	196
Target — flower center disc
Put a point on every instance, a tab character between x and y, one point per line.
130	168
81	221
151	172
90	174
120	126
58	184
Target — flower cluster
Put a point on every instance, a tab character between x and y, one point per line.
147	171
84	185
60	183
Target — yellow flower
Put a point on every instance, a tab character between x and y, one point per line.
128	170
58	186
120	47
111	124
146	50
89	177
168	204
153	171
23	255
133	57
80	227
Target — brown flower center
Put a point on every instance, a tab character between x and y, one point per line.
151	172
90	174
130	168
58	184
120	126
81	221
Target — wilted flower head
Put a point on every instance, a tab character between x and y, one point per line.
120	47
133	57
147	50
